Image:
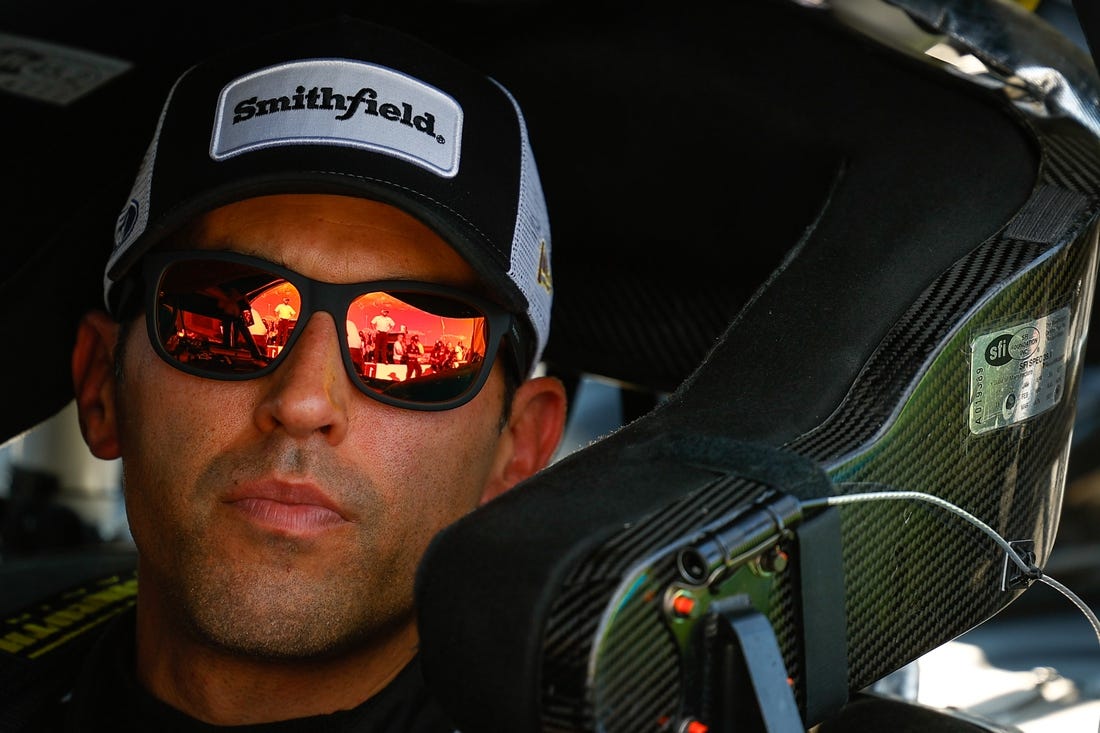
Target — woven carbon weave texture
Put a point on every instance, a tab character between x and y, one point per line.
951	215
916	575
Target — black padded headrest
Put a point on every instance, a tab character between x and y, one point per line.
730	126
904	198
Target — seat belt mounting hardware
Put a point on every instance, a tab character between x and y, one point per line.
751	537
742	556
740	681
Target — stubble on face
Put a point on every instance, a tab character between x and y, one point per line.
263	595
398	476
248	591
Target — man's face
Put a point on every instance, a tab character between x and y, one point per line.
285	516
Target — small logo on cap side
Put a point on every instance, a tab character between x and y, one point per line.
545	279
124	226
339	102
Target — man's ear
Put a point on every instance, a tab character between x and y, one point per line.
94	383
532	435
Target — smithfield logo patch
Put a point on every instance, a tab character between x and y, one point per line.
339	102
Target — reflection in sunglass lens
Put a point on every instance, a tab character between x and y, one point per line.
426	348
209	315
231	320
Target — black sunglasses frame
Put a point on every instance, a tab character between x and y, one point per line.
334	299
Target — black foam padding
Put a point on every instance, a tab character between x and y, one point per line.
913	174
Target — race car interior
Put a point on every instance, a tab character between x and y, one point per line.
834	263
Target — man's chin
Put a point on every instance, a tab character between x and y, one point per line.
277	634
274	614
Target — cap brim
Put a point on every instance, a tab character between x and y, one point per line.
499	287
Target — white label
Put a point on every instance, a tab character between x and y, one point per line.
51	73
339	102
1018	372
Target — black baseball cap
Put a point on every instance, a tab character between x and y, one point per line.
350	107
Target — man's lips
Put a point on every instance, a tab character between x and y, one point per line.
290	509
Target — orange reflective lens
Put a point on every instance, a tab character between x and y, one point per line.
227	316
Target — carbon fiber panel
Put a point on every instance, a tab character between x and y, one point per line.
916	576
912	566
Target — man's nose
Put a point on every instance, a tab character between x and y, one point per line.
310	390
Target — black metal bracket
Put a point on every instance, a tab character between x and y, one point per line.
742	684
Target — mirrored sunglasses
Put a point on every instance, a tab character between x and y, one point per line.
228	316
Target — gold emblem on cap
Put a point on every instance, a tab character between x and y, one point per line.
544	277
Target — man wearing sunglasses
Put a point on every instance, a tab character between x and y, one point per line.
281	500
